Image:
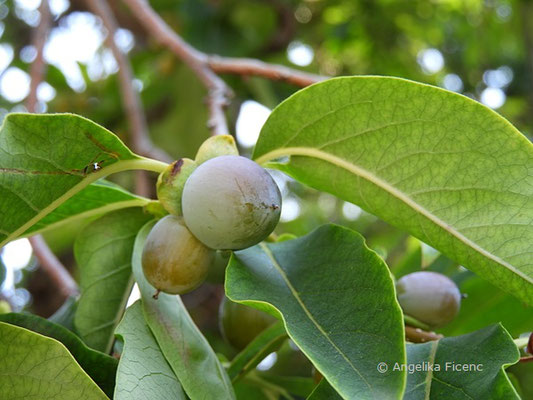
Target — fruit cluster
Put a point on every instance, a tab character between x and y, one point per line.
219	201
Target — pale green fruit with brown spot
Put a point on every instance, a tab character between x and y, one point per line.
430	297
215	146
170	184
231	203
173	260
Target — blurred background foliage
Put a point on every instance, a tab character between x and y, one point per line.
480	48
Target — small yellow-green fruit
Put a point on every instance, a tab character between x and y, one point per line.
173	260
240	324
231	203
5	307
215	146
430	297
170	184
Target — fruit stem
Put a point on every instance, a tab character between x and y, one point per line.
156	294
414	322
417	335
521	342
150	164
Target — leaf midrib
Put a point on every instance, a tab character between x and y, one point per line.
429	376
123	165
285	278
118	205
387	187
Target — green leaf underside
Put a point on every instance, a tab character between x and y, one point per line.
324	391
37	367
46	159
143	373
99	366
96	199
103	253
296	385
486	305
338	303
265	343
64	315
187	351
443	167
491	347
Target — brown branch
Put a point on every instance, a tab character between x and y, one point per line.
133	108
218	91
417	335
206	67
252	67
47	259
53	267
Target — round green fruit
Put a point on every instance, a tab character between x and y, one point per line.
231	203
430	297
240	324
219	145
173	260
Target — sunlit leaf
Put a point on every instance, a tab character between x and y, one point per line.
103	253
46	159
36	366
463	367
150	378
445	168
338	303
99	366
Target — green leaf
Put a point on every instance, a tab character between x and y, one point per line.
247	389
46	159
96	199
65	314
38	367
522	372
187	351
338	303
489	349
486	305
143	371
264	344
443	167
99	366
103	252
296	385
324	391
